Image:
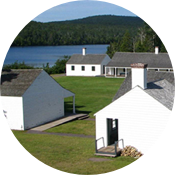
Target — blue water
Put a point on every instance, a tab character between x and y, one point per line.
39	55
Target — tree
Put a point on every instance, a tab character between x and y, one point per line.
126	44
162	48
58	67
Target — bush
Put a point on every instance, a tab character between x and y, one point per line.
59	66
17	65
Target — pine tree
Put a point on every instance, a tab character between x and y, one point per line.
126	44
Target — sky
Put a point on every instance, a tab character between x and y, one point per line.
81	9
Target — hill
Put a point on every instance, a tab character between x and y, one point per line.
91	30
107	20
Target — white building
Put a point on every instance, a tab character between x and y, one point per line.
139	110
119	66
87	64
31	98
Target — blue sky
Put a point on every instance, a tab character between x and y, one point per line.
81	9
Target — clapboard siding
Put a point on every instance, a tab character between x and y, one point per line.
13	111
78	70
88	67
43	101
141	119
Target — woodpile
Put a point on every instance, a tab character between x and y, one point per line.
131	151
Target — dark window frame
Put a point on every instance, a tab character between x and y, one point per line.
82	68
93	68
72	67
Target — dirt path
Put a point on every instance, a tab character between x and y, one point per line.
57	75
60	134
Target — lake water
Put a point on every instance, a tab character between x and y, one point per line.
39	55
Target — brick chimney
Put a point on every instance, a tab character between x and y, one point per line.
84	51
139	75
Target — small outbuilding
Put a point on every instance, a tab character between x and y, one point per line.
87	64
139	111
31	98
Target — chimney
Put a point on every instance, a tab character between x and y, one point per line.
84	51
156	50
139	75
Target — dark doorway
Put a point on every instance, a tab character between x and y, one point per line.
103	69
112	131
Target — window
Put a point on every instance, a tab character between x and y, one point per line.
83	68
93	68
113	124
72	67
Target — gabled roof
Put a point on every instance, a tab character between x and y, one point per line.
86	59
160	86
162	91
16	82
125	59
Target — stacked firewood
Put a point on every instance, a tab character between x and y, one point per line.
131	151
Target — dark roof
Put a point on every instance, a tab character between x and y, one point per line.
125	59
160	86
16	82
86	59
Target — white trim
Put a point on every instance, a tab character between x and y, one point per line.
130	67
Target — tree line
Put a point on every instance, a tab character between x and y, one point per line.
145	40
57	68
91	30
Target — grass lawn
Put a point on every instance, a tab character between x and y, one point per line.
69	154
76	127
91	93
72	154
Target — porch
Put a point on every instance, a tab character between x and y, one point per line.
117	72
113	150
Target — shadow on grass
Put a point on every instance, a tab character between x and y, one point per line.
68	107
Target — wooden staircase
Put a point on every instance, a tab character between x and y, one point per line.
110	150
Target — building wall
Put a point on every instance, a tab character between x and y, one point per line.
78	70
13	111
99	68
104	63
141	119
43	101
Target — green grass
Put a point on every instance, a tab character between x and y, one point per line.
91	93
76	127
71	154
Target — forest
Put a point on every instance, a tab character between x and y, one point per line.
145	40
102	29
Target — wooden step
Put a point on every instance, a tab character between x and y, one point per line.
103	154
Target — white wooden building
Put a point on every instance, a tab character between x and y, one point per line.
119	66
87	64
31	98
139	111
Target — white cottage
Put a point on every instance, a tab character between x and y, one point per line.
87	64
139	110
31	98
